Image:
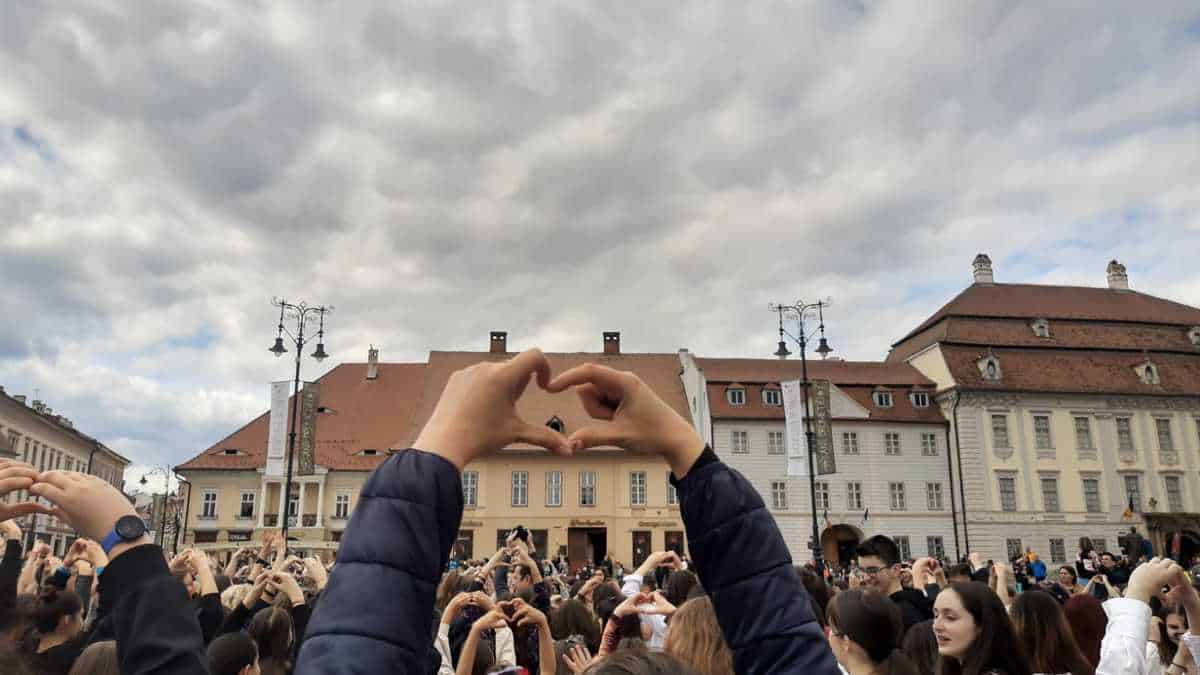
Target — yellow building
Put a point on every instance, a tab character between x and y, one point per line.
604	500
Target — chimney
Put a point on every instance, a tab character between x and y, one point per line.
983	269
38	405
1118	279
372	363
499	342
19	398
612	342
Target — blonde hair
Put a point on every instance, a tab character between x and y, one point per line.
694	638
234	595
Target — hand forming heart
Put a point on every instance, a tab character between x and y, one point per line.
14	476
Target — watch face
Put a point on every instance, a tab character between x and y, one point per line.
130	527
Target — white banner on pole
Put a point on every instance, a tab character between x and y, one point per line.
277	437
793	412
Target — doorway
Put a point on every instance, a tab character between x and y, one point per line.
641	547
586	545
839	545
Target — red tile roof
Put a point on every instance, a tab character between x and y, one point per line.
1084	303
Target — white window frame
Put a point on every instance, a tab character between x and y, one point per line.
470	484
242	501
890	448
1058	550
822	492
1051	502
554	482
209	498
776	443
935	546
920	399
854	496
672	493
1043	439
341	504
772	397
897	498
1161	424
736	447
1136	492
1172	505
736	396
587	488
933	497
882	399
850	443
779	496
902	543
929	446
1083	432
519	492
1000	435
637	488
1131	446
1000	481
1099	504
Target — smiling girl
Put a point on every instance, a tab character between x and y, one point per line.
974	634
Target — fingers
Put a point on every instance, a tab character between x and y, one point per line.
27	508
61	479
53	491
597	435
608	380
529	362
543	436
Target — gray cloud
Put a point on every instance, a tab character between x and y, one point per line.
556	171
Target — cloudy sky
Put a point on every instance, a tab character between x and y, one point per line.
439	170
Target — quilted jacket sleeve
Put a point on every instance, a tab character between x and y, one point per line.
745	566
374	614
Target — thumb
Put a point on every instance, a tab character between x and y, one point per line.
597	434
544	437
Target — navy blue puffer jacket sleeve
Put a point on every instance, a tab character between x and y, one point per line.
746	569
374	614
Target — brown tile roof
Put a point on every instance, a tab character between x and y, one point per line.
1082	303
1069	334
369	414
838	372
1074	371
659	371
902	409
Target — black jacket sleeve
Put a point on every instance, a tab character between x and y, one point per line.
374	613
740	556
10	573
236	620
211	615
156	628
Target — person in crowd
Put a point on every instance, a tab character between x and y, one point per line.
57	639
1087	561
959	573
1087	620
233	654
275	637
417	488
1100	586
1037	567
100	658
1067	584
1042	628
1114	569
879	563
694	639
921	646
500	649
865	631
1175	626
574	618
974	633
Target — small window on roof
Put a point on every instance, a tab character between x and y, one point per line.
1194	335
883	399
370	452
556	424
232	451
1041	328
736	395
1148	373
920	399
772	397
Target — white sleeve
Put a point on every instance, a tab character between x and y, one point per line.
1154	664
443	648
633	584
1193	644
506	651
1123	650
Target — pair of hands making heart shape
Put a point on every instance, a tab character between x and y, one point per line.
477	413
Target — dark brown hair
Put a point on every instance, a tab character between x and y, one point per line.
996	646
573	618
874	623
920	646
1042	626
639	662
100	658
52	606
271	629
1088	622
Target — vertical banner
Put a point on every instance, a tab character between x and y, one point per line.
793	412
823	428
310	398
277	434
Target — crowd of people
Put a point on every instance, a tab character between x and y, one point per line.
393	602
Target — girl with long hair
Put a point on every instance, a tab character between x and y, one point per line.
1042	627
272	631
865	630
921	647
1088	622
56	640
1179	660
694	639
974	633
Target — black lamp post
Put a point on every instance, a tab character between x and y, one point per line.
301	313
161	537
799	310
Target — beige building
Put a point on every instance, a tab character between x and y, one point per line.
606	499
34	433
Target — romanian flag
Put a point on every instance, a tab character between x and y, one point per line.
1128	515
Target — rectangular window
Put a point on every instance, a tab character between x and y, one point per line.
920	399
470	484
929	445
902	544
1008	493
1163	427
1100	543
1050	494
1058	551
587	488
637	488
520	488
896	490
736	396
822	496
891	443
208	504
1041	433
1013	548
1091	495
883	399
247	505
1124	434
933	497
779	500
775	444
1174	493
341	505
935	547
849	443
772	397
672	495
1133	492
1000	431
854	500
1083	433
553	488
739	442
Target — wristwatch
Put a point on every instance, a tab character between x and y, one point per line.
128	528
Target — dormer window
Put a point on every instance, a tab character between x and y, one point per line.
920	399
1194	335
772	397
989	368
230	451
1147	373
556	424
736	395
370	452
883	399
1041	328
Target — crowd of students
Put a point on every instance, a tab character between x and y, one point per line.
392	604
